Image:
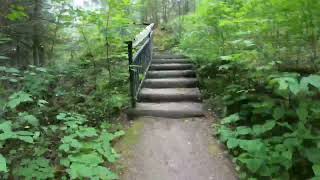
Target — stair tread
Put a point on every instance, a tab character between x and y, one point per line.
168	61
172	79
170	91
171	106
170	95
170	109
171	66
167	56
171	73
171	83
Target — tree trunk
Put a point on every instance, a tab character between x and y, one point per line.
36	31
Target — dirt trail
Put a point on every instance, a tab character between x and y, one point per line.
176	149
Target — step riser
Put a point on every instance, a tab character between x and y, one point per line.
172	67
169	98
184	84
168	61
167	57
160	74
168	114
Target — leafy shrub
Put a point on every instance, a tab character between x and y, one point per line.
272	136
255	58
59	143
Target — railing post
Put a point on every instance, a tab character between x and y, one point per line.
151	45
131	74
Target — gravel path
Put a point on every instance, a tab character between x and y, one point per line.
177	149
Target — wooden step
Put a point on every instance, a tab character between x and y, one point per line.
171	83
171	74
170	110
172	66
170	95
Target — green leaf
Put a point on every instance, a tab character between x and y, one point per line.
3	164
65	162
38	168
6	127
42	103
313	80
231	119
104	173
252	146
313	155
18	98
252	164
226	58
226	133
278	113
12	70
118	134
302	113
68	143
3	58
27	139
232	143
79	170
286	83
87	132
243	130
260	129
30	119
316	169
89	159
292	142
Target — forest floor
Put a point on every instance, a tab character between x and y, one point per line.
173	149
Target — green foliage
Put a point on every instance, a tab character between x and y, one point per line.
63	82
3	164
260	58
8	134
83	158
17	13
26	118
18	98
39	168
272	138
83	150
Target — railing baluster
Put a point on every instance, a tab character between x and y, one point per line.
131	74
139	63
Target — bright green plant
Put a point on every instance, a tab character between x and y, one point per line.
260	58
8	134
83	158
268	136
39	168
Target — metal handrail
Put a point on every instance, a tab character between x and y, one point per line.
139	62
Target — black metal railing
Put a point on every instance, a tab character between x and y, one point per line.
140	61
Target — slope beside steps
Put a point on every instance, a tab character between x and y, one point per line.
170	89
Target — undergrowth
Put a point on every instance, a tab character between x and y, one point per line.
58	122
258	68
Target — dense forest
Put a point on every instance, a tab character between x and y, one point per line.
64	81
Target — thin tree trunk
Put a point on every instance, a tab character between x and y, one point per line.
35	36
107	44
